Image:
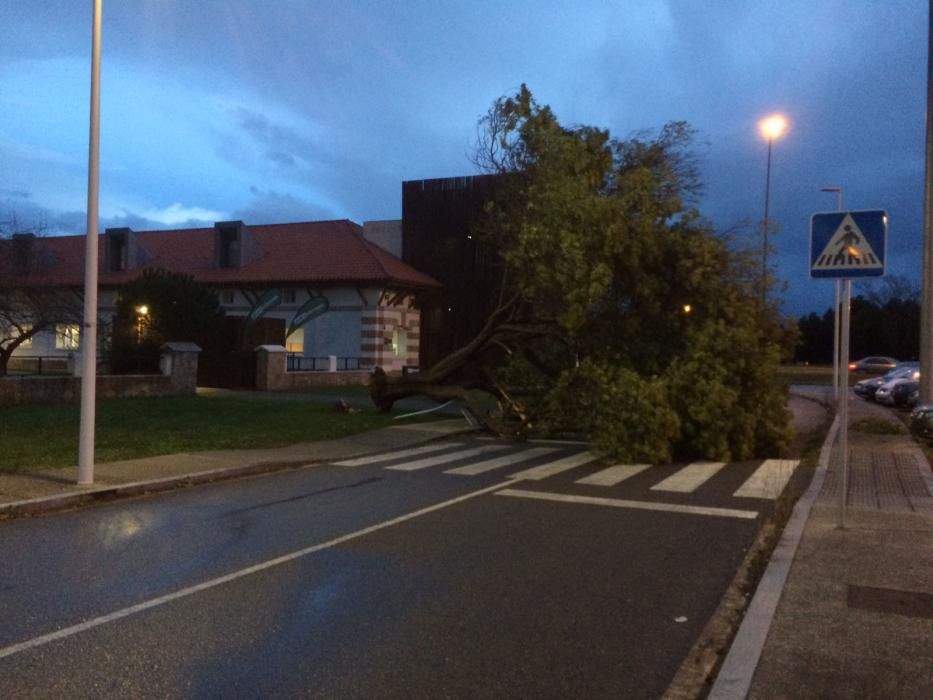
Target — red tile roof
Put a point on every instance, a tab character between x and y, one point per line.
313	252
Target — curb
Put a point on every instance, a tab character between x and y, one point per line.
103	494
48	504
735	676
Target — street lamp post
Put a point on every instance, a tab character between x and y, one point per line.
89	330
836	373
771	128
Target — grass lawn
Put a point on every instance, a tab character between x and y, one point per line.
46	435
814	374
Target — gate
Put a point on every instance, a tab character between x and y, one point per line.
230	362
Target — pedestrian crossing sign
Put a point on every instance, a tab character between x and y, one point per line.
846	244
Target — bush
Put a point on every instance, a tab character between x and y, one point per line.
627	417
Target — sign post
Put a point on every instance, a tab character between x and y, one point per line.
843	245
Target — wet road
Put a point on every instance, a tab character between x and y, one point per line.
473	569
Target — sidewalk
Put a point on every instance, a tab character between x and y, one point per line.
53	489
846	612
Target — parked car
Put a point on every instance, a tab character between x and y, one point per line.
873	365
866	388
902	392
885	393
921	421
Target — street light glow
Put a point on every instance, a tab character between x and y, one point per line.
772	127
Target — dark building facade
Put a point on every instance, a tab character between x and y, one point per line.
440	221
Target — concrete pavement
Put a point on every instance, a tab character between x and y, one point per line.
847	612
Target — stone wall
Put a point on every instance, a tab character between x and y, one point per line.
179	366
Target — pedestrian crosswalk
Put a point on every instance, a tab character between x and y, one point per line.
536	463
690	478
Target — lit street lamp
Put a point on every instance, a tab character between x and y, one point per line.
142	313
771	128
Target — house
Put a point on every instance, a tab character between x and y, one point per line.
329	289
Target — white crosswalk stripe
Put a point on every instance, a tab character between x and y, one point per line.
613	475
550	468
401	454
636	505
769	479
498	462
689	478
446	458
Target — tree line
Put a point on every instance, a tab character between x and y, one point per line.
884	321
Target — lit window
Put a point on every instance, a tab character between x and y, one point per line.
400	341
67	336
296	341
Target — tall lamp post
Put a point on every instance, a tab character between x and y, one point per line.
836	374
89	330
771	128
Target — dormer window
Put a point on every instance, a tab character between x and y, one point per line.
117	249
122	250
229	248
233	246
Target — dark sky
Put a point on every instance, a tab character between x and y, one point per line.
285	110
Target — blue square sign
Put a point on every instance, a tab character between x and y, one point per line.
846	244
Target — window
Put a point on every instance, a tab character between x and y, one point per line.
400	342
289	296
227	296
67	336
296	341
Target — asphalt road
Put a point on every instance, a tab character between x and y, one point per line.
371	582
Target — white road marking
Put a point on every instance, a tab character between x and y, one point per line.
550	468
769	479
497	462
401	454
446	458
635	505
613	475
72	630
691	477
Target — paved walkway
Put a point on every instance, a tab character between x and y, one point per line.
847	612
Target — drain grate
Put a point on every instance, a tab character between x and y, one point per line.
891	600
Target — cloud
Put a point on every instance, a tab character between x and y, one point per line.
270	207
176	213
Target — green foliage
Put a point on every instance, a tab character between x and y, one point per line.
625	316
626	416
725	389
179	309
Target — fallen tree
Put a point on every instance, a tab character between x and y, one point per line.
622	315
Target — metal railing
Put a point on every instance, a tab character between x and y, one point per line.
299	363
37	364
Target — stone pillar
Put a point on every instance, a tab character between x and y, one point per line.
270	368
179	361
331	363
